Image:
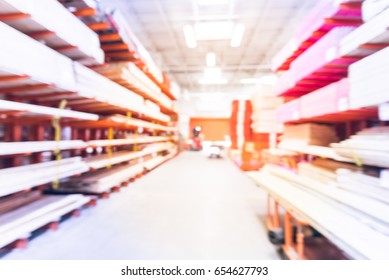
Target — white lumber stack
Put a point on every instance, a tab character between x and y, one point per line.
368	146
371	8
103	180
19	223
50	16
375	209
140	123
21	55
368	80
131	77
127	141
102	161
13	148
343	228
30	109
373	32
16	179
154	162
264	119
362	184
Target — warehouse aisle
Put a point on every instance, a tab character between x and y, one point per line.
190	208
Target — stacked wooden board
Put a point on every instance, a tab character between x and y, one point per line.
240	123
368	147
371	8
264	113
28	176
336	213
34	21
19	223
302	135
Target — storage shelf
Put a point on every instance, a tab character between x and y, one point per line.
326	16
33	20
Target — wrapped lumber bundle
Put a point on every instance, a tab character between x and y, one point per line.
16	179
264	118
131	77
21	222
368	147
358	43
83	45
371	8
307	134
368	80
289	111
21	55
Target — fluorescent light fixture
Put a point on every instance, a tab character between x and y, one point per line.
214	72
211	59
237	35
190	38
212	2
264	80
250	81
214	30
218	81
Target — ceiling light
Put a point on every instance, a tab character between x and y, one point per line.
208	81
214	72
214	30
250	81
269	80
190	38
211	59
212	2
237	35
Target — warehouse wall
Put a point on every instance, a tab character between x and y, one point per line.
214	129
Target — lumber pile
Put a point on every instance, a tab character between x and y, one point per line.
374	32
302	135
13	148
315	67
19	223
27	110
83	45
371	8
368	147
264	113
154	162
16	179
101	181
22	55
345	218
17	200
127	141
131	77
368	80
102	161
322	19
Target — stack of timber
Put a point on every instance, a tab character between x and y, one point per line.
303	135
102	161
345	218
34	21
371	8
16	179
21	222
13	148
264	113
128	141
368	147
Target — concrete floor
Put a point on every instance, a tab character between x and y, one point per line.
189	208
